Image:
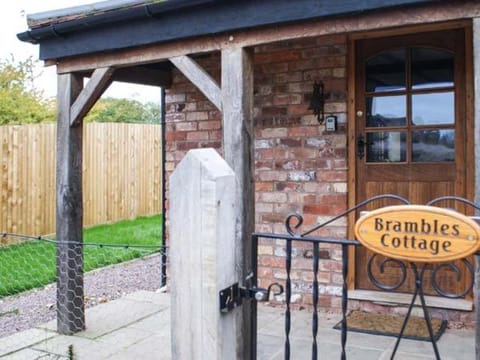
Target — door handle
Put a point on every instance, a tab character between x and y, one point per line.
361	143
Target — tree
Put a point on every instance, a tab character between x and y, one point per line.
20	101
124	110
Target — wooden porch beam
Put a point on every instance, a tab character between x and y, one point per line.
100	80
427	17
200	78
143	76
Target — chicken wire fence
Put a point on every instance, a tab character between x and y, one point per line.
87	274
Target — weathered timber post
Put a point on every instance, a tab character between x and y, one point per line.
238	138
202	257
69	219
476	63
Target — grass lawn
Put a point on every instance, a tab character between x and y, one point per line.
28	264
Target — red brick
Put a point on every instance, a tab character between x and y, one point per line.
303	131
274	133
289	142
286	186
272	218
209	125
316	209
197	115
274	197
272	176
188	145
214	135
313	75
197	135
300	109
171	97
288	165
263	207
273	110
288	77
284	56
272	262
263	165
211	144
301	153
186	126
173	136
266	228
332	175
335	107
175	117
286	99
263	186
275	68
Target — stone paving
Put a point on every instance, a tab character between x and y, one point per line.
137	327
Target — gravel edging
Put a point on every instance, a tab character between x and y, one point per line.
29	309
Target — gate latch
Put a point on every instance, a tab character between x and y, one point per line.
232	296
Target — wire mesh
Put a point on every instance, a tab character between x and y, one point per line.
93	274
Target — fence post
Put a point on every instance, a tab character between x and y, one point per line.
69	226
202	258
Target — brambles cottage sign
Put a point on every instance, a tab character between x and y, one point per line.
418	233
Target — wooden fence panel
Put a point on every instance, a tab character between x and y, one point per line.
121	175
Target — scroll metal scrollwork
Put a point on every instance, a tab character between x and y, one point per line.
455	268
381	267
288	223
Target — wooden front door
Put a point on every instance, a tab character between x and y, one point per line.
410	129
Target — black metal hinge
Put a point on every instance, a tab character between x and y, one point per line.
232	296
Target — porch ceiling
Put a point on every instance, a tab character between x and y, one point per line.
72	34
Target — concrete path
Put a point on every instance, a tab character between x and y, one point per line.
137	327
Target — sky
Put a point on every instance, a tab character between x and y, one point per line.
13	20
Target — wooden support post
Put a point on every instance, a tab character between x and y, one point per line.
238	137
69	218
476	71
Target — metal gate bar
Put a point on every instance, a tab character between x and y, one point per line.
345	244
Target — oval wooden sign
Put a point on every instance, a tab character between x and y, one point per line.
418	233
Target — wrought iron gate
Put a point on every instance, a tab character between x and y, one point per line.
294	222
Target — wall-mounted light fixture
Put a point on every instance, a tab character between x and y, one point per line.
317	101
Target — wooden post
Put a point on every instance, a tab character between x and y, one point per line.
238	137
476	63
69	218
202	257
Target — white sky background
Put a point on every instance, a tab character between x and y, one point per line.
13	20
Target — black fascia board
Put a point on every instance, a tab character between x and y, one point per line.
181	19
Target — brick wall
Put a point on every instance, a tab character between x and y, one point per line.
299	167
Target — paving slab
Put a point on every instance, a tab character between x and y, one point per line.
154	348
29	354
83	348
23	340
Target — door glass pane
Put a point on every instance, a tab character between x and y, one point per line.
386	71
433	145
386	146
433	109
386	111
431	68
